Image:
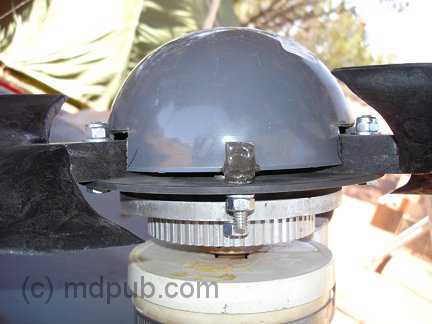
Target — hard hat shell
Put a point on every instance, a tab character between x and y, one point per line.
184	101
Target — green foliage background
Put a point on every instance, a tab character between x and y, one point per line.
331	29
85	49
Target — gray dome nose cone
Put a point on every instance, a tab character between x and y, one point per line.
184	101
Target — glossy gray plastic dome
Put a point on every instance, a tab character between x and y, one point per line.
186	99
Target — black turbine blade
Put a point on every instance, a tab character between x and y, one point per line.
26	119
42	209
402	94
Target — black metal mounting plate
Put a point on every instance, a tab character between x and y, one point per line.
214	185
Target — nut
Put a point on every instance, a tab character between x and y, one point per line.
367	125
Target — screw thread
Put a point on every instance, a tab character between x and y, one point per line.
240	223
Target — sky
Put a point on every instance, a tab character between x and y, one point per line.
403	35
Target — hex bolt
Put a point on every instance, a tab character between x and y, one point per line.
99	132
240	207
367	125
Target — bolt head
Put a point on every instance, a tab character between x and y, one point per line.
239	203
98	131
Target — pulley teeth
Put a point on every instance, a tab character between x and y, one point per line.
261	232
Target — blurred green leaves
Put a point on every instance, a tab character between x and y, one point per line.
162	20
329	28
12	14
85	49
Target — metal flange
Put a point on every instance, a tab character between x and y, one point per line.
215	211
211	224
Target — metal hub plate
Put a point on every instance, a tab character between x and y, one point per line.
214	185
207	223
